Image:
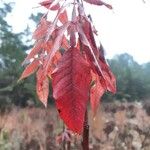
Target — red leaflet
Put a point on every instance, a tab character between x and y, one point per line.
42	86
55	7
92	57
109	77
57	44
53	26
48	3
65	43
97	91
35	50
85	42
98	2
30	69
63	17
71	81
47	46
41	30
72	30
87	28
98	63
54	63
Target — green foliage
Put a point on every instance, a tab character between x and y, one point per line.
12	53
4	140
133	81
36	18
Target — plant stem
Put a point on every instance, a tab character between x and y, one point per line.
85	141
68	145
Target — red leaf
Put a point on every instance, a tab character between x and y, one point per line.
35	50
87	28
98	2
65	43
110	79
30	69
96	93
63	17
85	42
57	44
47	46
54	63
71	81
47	4
42	28
72	29
56	58
55	7
42	86
96	57
71	32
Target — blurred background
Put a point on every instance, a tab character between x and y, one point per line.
123	122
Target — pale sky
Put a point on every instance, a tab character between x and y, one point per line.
125	29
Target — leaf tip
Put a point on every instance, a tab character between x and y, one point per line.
109	6
45	104
19	79
94	118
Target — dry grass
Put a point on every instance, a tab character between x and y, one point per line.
116	127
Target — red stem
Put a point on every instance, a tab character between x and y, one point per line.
85	142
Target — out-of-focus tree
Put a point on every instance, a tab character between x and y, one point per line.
133	81
12	52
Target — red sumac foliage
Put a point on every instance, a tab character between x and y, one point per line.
71	83
65	52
